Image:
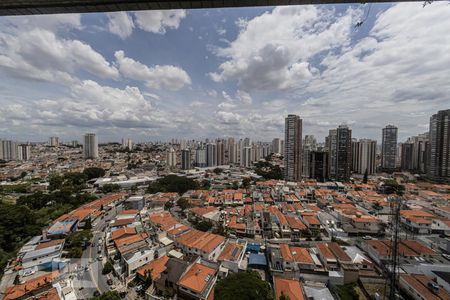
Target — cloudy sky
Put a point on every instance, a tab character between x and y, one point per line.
154	75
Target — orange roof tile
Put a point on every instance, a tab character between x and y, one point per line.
156	267
291	288
20	290
197	277
122	231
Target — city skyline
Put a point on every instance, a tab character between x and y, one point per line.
65	75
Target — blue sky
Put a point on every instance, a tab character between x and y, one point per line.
154	75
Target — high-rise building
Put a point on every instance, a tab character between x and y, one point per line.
318	165
389	148
127	143
171	157
406	163
293	148
364	156
211	155
232	151
276	146
186	159
90	148
8	150
200	157
246	157
23	152
339	143
53	141
220	152
439	139
309	144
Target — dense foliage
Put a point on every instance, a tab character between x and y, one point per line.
110	188
111	295
204	226
93	172
245	286
268	171
172	183
347	291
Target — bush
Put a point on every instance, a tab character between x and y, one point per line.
245	285
172	183
107	268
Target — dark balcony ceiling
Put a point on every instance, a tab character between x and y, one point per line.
34	7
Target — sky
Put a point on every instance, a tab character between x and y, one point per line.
157	75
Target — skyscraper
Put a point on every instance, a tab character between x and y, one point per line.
276	146
211	155
246	157
232	151
53	141
339	145
200	157
171	157
363	156
309	144
389	148
439	154
186	159
8	150
293	148
90	148
23	152
127	143
220	152
318	165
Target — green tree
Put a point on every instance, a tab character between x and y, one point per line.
168	205
107	268
206	184
111	295
183	203
217	171
246	182
93	172
245	285
235	185
204	226
110	188
87	224
283	296
172	183
366	176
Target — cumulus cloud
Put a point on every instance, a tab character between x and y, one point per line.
40	54
157	77
120	23
157	21
273	51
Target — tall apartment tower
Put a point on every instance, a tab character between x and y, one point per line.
339	144
53	141
200	157
232	151
127	143
8	150
293	148
220	152
23	152
211	155
171	158
276	146
439	153
246	157
186	159
389	148
90	148
309	144
364	156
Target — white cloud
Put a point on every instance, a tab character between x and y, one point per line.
40	54
157	21
157	77
273	51
120	23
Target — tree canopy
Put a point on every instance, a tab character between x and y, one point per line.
111	295
245	286
268	170
172	183
93	172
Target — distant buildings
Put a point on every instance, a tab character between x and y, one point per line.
90	148
220	152
363	156
186	159
211	155
127	143
439	155
277	146
309	144
171	158
246	157
232	151
200	157
293	148
53	141
340	151
23	152
318	165
389	147
8	150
